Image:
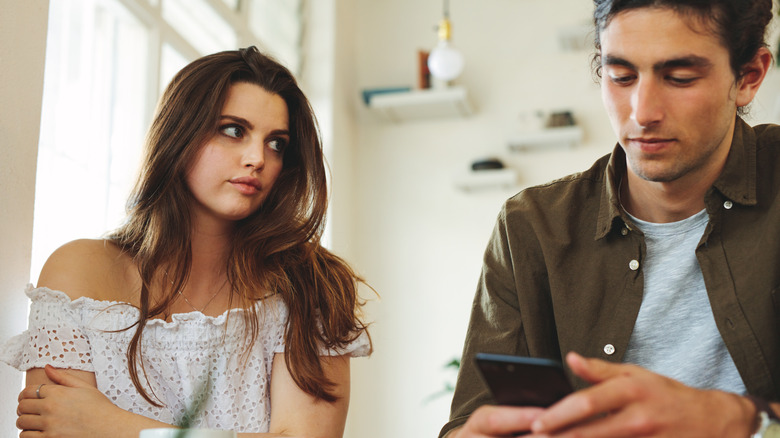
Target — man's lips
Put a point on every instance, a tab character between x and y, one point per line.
246	185
650	144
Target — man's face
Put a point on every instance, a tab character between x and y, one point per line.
670	93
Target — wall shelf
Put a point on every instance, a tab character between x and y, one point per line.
421	104
563	136
472	180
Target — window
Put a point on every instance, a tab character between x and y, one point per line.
107	62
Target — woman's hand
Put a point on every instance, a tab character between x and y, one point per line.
71	406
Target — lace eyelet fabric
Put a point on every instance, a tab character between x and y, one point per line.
191	358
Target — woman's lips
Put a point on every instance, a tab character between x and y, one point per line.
246	185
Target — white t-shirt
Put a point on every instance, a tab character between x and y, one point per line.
675	332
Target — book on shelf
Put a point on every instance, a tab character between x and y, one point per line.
369	93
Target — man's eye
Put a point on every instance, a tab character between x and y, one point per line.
621	80
233	131
680	81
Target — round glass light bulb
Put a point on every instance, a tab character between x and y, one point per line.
445	62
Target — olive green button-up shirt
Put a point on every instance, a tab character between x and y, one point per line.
563	270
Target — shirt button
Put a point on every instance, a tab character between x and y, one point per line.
624	231
609	349
633	265
727	205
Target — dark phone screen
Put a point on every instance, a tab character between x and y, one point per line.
523	381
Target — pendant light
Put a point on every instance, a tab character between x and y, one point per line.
445	62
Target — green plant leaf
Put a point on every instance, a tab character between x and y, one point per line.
201	395
454	363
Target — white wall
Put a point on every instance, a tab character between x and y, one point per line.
326	80
22	48
418	240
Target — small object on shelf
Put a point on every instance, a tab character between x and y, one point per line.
423	72
370	93
561	118
564	136
419	104
472	180
487	164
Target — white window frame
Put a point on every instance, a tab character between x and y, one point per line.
160	33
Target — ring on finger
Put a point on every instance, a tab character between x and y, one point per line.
38	391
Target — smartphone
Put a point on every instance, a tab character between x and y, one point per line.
523	381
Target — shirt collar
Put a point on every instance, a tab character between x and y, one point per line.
610	210
736	182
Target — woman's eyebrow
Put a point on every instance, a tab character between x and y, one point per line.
240	120
284	132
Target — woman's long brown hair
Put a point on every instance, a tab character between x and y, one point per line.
276	249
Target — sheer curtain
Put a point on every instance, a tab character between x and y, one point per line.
107	62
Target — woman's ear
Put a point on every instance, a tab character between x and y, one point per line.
753	74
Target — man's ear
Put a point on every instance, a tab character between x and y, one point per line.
753	74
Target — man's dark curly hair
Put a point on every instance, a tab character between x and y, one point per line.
740	24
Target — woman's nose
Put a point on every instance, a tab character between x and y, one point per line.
254	155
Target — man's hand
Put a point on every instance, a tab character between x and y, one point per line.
497	421
629	401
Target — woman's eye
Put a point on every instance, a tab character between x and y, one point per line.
233	131
277	144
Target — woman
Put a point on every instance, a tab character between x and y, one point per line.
214	304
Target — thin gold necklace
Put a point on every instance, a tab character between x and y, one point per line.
188	301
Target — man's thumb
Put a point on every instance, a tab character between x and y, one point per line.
591	370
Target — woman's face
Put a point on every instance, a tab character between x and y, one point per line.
236	169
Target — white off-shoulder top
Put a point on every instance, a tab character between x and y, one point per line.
181	357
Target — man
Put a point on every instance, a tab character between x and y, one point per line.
655	274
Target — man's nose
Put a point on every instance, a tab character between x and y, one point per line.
647	103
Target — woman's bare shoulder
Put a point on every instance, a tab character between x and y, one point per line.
93	268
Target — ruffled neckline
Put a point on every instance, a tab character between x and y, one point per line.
194	316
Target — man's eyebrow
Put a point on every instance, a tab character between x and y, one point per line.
681	62
615	60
